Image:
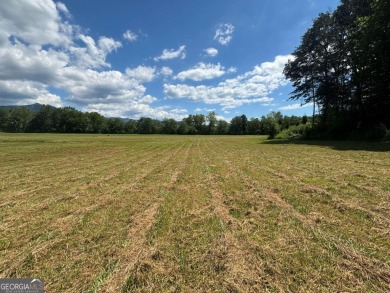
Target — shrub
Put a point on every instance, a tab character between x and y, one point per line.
299	131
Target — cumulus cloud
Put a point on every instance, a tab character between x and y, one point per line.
166	71
40	51
172	54
204	110
130	36
251	87
26	92
224	33
201	72
20	62
295	106
142	73
62	8
137	110
35	22
211	52
93	55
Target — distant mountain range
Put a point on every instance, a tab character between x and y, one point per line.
33	107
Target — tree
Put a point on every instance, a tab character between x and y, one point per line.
375	44
183	127
254	126
239	125
270	127
212	123
342	66
145	126
115	126
3	118
309	69
169	126
304	119
18	119
196	124
97	122
42	121
222	127
131	126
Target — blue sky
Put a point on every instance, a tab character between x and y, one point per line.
157	59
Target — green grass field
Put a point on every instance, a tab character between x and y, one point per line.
98	213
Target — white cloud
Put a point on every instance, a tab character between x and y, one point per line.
224	33
93	55
35	22
72	62
26	92
142	73
130	36
172	54
85	87
204	110
211	52
179	111
252	87
39	50
166	71
20	62
295	106
62	7
202	72
232	70
148	99
136	110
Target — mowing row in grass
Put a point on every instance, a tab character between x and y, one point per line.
96	213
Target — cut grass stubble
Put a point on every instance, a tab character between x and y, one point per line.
193	213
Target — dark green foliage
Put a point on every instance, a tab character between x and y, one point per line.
42	121
146	125
131	126
183	127
169	126
3	119
239	125
387	136
70	120
18	119
212	123
222	127
254	126
196	124
116	126
293	132
343	67
97	122
270	127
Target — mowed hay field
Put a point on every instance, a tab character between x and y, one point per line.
99	213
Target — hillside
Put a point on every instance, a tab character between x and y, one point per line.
33	107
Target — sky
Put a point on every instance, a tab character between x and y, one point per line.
158	59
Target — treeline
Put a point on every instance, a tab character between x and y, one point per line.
342	66
69	120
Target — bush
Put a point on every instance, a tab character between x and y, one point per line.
294	132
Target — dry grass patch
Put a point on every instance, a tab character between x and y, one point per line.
132	213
